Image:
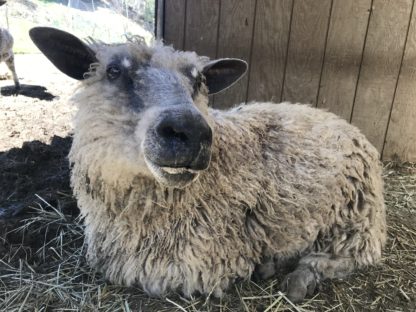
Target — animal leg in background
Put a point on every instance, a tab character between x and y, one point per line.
10	64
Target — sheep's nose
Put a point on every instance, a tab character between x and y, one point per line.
170	130
182	140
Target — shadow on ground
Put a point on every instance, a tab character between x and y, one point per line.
32	171
33	91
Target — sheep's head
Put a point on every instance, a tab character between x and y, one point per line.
163	92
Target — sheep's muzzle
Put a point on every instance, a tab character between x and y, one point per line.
178	147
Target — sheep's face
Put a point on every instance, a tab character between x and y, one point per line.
164	93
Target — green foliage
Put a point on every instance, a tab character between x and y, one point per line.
103	24
52	1
149	12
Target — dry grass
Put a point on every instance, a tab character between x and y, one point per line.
43	268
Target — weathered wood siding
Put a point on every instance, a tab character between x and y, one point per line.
356	58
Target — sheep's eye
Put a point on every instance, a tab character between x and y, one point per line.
113	72
199	80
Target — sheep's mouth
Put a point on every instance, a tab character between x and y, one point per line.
173	177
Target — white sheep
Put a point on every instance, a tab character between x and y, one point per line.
177	196
6	52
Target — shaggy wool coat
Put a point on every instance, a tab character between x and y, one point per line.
285	180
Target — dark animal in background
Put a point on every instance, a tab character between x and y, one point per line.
177	196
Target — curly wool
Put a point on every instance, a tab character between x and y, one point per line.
284	180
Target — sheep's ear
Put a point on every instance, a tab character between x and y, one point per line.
2	2
68	53
223	73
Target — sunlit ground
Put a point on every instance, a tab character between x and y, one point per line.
103	24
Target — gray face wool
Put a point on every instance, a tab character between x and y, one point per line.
280	182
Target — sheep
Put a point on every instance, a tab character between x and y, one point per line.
177	196
6	52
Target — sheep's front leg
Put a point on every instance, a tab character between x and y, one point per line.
10	64
311	270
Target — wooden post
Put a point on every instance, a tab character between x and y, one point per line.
159	18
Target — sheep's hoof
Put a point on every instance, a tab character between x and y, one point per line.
264	270
299	283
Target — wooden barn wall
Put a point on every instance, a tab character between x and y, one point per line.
356	58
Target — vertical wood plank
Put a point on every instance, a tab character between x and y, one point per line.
159	18
306	50
380	67
343	55
401	135
202	27
174	26
235	35
271	34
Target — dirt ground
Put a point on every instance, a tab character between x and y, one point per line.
34	128
40	110
42	264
